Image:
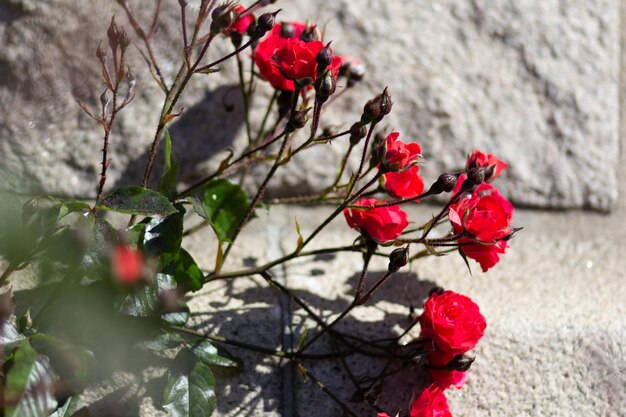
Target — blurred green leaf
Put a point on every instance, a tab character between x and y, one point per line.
177	318
185	271
71	362
190	389
162	342
29	385
138	201
223	204
9	336
72	406
167	184
145	301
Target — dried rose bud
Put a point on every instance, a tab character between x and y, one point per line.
398	258
357	132
444	184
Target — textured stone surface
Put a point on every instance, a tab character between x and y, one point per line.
534	82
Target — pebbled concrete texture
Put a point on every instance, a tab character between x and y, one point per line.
535	82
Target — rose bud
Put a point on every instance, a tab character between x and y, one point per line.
101	53
324	58
297	121
113	34
183	3
444	184
310	34
461	363
397	259
357	132
265	23
377	108
492	164
124	40
475	176
222	17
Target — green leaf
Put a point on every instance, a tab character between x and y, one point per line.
163	236
96	257
210	355
303	334
224	205
185	271
29	385
167	184
190	389
138	201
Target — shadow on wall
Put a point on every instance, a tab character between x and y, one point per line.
199	134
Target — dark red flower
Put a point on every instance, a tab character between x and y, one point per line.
282	60
431	403
383	224
396	155
453	322
482	159
404	184
240	25
127	264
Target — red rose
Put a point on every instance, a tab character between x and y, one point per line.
383	224
397	155
127	264
444	378
295	59
431	403
484	214
453	322
404	184
481	159
240	25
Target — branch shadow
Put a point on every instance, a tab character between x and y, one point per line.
201	133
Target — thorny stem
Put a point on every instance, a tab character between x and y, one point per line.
358	172
105	148
245	98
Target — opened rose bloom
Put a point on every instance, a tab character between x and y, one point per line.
127	264
453	322
487	160
397	155
432	402
486	217
382	224
283	56
404	184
